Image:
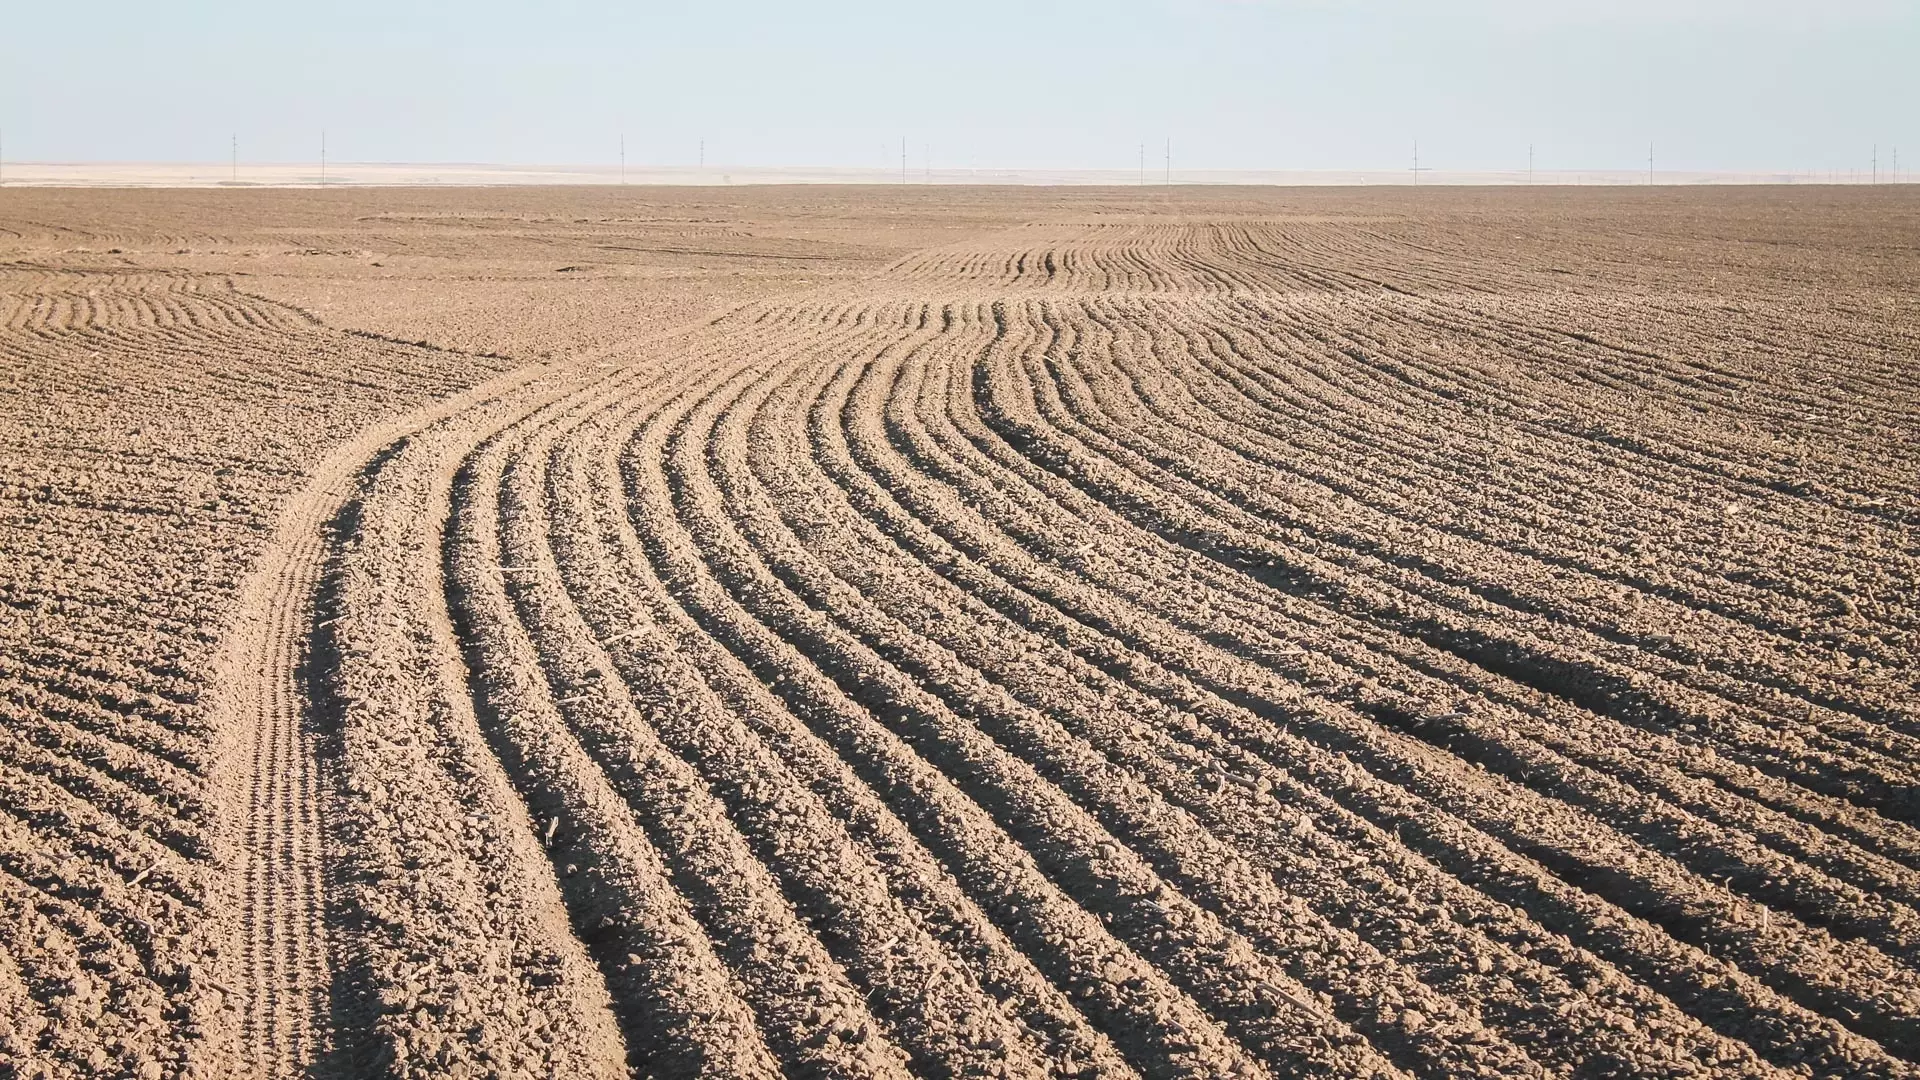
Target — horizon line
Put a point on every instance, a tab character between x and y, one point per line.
317	173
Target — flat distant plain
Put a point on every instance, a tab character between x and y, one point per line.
918	630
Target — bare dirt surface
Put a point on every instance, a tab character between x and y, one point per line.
854	632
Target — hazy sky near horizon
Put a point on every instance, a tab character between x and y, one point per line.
1235	84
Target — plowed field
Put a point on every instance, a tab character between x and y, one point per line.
1040	634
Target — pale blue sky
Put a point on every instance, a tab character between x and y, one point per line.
1244	84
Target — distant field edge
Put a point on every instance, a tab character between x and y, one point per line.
471	174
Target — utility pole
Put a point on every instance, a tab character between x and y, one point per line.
703	155
903	159
1649	164
1417	170
1143	164
1169	162
1876	163
1529	164
234	175
623	159
323	157
928	148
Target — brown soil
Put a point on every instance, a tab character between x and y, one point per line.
862	632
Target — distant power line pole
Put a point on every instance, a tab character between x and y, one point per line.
234	174
1529	164
1649	164
1876	163
323	157
1169	162
623	158
1143	164
928	149
1417	170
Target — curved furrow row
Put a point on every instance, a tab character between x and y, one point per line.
1133	1003
677	1004
1354	541
1155	732
1211	960
995	492
1031	408
1004	663
797	832
452	913
1385	538
609	585
1252	687
1258	644
1396	399
1780	493
832	885
1312	525
1835	905
1398	492
1202	473
853	573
